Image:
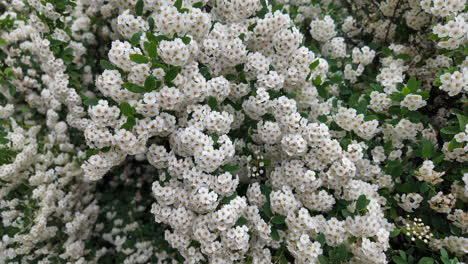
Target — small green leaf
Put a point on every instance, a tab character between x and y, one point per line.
413	84
186	40
230	168
139	8
398	260
274	234
151	23
362	202
462	121
126	109
91	101
106	65
450	130
131	122
171	74
426	149
3	42
278	219
134	88
138	58
213	103
135	39
314	64
150	48
426	260
395	232
317	81
12	90
178	4
321	239
322	259
241	221
198	5
151	83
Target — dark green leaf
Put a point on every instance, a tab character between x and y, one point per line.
451	130
278	219
178	4
322	259
427	148
151	83
213	103
135	40
362	202
274	234
241	221
186	40
462	121
139	8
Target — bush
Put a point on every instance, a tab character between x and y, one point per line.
240	131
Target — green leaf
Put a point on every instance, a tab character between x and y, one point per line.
131	122
230	168
454	144
398	260
314	64
427	148
274	234
241	221
198	5
213	103
317	81
150	48
126	109
106	65
278	219
91	101
403	56
186	40
395	232
413	84
139	8
322	259
136	38
462	121
171	73
3	42
450	130
362	202
12	90
151	83
178	4
134	88
321	239
342	253
151	23
138	58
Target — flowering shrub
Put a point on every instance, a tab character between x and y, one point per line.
233	131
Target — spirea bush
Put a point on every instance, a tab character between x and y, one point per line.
233	131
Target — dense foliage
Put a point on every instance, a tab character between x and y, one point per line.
233	131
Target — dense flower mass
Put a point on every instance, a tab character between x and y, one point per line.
233	131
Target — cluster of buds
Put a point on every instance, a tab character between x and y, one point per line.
416	229
256	164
